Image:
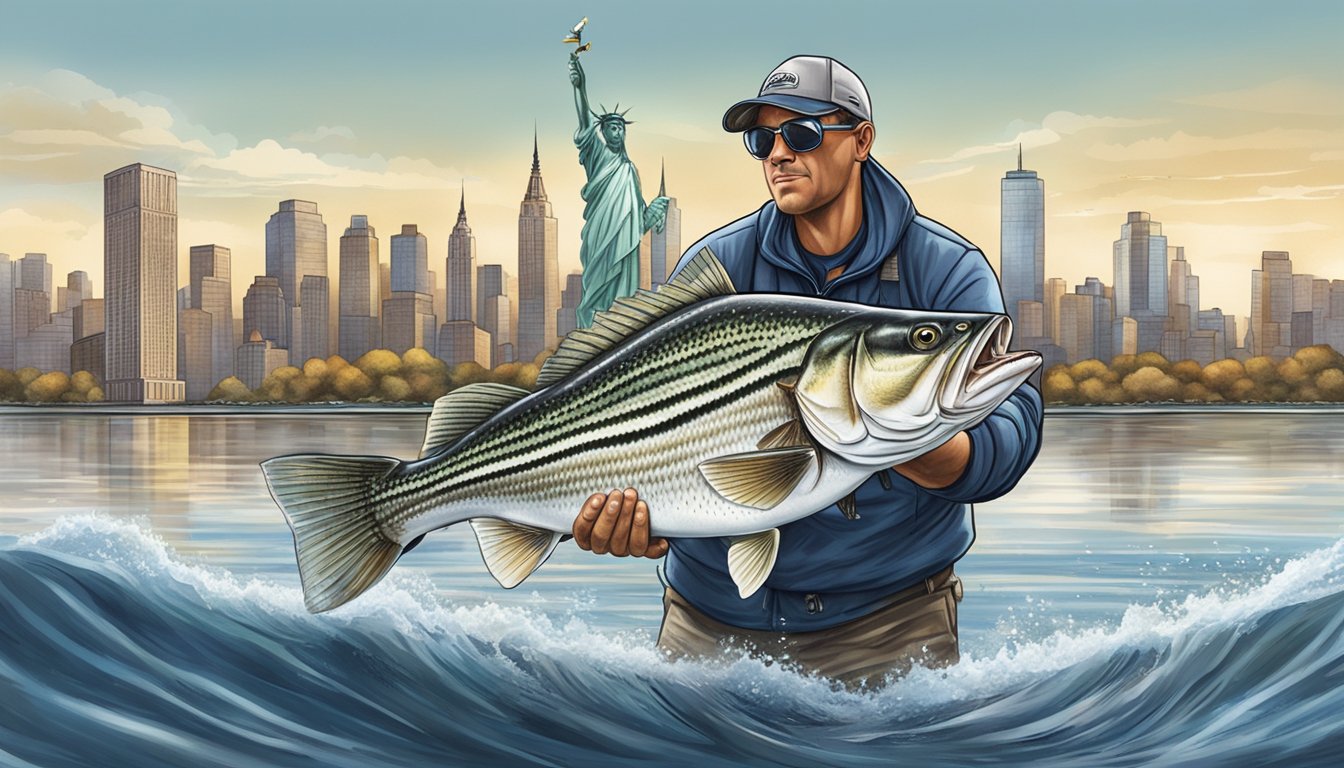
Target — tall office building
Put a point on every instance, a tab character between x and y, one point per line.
1021	237
361	290
538	268
265	310
314	300
35	274
7	269
494	311
566	319
409	322
1140	257
296	246
212	291
1076	333
1055	289
1102	316
665	246
410	262
195	352
460	269
1272	304
77	288
256	358
140	270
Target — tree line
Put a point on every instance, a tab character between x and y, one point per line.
1312	374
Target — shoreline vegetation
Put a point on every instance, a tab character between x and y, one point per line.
1313	375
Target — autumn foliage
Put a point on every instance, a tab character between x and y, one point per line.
29	385
377	376
1313	374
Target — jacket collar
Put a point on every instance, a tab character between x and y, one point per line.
887	210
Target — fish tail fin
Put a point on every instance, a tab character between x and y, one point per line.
340	546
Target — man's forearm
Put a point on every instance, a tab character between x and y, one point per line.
941	466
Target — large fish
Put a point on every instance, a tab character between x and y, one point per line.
731	413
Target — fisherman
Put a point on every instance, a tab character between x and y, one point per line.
852	596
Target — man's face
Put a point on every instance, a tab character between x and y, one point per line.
613	131
801	182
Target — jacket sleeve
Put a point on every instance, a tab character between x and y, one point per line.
1004	445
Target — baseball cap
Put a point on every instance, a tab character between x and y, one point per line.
808	85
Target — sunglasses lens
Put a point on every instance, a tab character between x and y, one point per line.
760	141
801	135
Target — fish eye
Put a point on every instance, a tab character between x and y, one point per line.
963	327
924	337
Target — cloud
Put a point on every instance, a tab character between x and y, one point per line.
1292	96
1181	144
1052	129
323	132
270	164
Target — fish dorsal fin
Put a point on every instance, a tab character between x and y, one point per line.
760	479
512	551
702	278
750	560
464	409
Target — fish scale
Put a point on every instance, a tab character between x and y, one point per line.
743	355
731	414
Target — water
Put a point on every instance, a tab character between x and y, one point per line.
1162	589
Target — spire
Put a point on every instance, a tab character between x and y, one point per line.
662	178
536	160
1019	156
535	190
462	207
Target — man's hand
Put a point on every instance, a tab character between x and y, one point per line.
655	215
617	523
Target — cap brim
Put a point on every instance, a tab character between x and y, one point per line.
742	115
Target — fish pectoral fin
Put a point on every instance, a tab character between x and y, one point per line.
512	551
761	479
787	435
750	560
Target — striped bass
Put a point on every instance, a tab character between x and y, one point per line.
734	413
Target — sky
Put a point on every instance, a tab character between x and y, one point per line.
1224	120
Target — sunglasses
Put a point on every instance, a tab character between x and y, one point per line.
801	135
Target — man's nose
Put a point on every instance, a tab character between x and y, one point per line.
780	152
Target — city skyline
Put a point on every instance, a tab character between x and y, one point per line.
1224	125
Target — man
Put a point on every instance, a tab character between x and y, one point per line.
851	599
614	214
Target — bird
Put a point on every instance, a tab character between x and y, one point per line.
576	34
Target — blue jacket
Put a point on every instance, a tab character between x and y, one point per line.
905	534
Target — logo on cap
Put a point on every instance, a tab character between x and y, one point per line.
781	80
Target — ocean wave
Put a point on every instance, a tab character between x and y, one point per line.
116	651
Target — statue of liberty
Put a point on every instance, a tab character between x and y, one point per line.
614	215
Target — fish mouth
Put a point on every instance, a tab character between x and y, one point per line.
987	368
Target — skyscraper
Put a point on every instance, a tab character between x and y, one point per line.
313	340
410	262
7	269
1022	238
264	309
34	274
567	318
538	268
195	352
665	246
77	288
460	269
493	311
361	290
140	270
212	291
1272	304
296	246
1141	278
